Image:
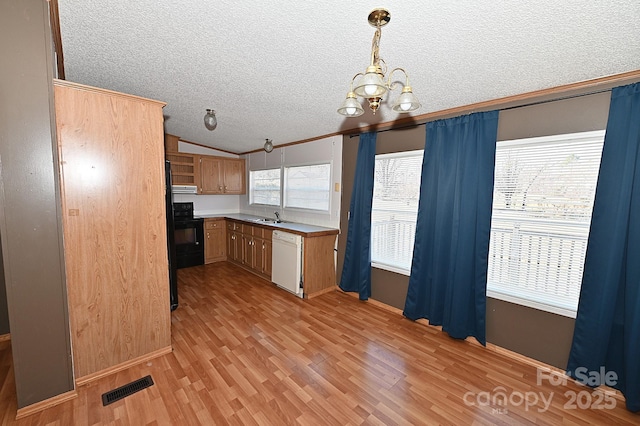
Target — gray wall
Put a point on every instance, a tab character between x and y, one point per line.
30	219
4	312
537	334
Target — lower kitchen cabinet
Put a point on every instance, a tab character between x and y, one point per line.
260	248
250	247
214	240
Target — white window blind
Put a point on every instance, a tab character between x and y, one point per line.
308	187
264	187
396	192
542	202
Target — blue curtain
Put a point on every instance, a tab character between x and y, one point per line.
449	270
356	270
607	330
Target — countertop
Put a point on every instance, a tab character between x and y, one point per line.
293	227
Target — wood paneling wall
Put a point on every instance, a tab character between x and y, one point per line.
112	165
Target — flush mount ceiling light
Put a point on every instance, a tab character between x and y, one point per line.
268	145
372	85
210	121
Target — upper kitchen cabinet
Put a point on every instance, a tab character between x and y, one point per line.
185	169
221	175
114	222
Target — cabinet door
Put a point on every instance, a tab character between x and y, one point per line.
237	247
214	244
209	249
211	175
267	255
249	251
234	241
218	244
258	247
234	179
230	246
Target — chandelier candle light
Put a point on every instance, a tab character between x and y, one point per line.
372	85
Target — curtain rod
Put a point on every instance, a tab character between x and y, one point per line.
408	126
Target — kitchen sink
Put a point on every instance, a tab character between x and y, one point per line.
267	220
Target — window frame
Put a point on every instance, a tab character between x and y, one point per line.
283	190
398	154
493	290
250	191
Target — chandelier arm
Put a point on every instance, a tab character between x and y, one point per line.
390	85
353	79
383	67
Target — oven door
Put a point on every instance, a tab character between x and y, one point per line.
189	238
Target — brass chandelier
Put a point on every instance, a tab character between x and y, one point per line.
372	85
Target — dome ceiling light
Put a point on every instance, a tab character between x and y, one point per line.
268	145
210	120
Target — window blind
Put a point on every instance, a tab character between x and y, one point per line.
542	202
308	187
264	187
396	192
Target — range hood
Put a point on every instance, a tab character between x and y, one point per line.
184	189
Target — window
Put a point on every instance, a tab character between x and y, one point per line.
308	187
396	191
264	187
542	202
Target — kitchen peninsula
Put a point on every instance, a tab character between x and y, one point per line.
248	244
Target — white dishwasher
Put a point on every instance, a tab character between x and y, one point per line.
286	265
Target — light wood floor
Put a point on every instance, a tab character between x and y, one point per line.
248	353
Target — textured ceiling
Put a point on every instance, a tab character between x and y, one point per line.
280	69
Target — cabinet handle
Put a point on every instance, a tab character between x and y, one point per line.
220	188
225	188
208	235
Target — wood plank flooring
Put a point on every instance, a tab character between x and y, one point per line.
248	353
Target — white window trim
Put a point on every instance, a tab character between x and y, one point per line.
391	268
512	298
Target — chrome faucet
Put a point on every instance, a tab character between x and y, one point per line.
277	216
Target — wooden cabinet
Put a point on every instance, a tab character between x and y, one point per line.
262	247
220	175
249	246
171	143
318	264
185	168
234	242
211	175
214	240
233	172
113	214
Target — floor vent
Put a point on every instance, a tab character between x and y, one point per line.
126	390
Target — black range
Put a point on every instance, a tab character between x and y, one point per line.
189	236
